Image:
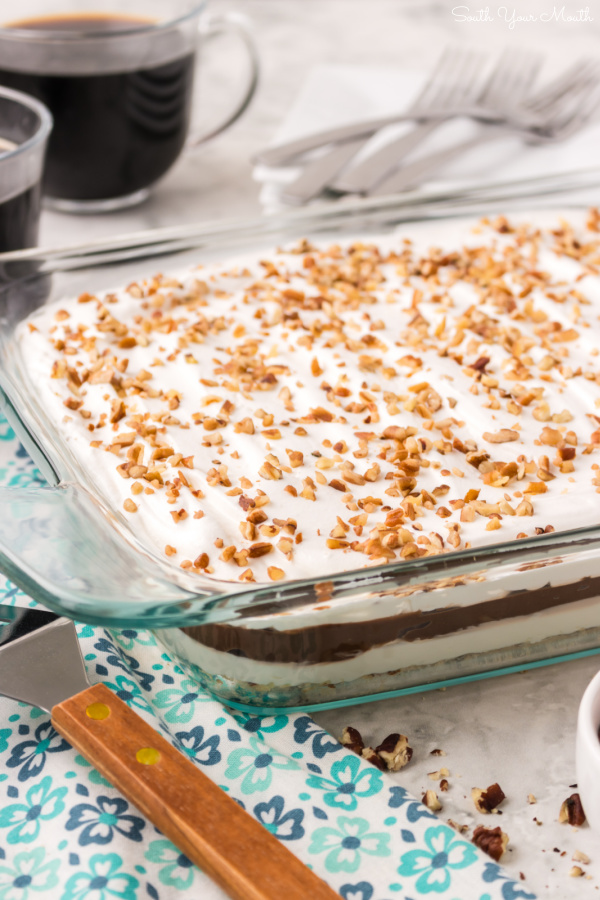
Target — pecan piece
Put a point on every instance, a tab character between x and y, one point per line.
371	756
492	841
245	426
296	458
476	457
487	801
257	517
259	549
395	751
431	801
352	739
571	811
500	437
480	364
441	773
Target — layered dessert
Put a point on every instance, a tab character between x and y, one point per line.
322	408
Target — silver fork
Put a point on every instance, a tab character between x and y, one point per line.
453	83
506	86
553	115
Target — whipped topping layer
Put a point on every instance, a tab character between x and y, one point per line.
325	407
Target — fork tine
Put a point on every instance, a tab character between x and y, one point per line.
454	73
458	86
510	79
571	100
566	83
571	118
469	86
442	69
496	83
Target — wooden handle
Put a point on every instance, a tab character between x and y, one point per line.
245	859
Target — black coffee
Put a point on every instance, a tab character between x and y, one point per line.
113	133
19	218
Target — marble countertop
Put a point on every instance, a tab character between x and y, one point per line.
518	730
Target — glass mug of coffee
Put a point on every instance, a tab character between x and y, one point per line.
117	77
25	125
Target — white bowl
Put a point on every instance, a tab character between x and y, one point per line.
588	753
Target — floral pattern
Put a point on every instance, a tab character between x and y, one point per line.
262	726
99	822
179	702
255	765
349	782
67	834
203	750
103	880
24	819
346	844
29	757
177	871
286	826
434	865
308	732
27	873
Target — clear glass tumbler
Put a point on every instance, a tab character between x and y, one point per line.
25	126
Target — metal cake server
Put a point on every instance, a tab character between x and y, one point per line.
41	664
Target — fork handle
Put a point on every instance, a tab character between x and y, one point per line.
413	174
368	173
285	153
317	174
241	856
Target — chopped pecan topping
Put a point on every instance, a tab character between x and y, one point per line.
337	342
500	437
259	549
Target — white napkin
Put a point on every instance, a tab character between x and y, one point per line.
334	95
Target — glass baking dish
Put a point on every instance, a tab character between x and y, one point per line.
310	643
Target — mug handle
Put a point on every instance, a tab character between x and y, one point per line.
238	25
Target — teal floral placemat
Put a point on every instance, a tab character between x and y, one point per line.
65	833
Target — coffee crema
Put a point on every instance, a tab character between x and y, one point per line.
84	22
115	133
